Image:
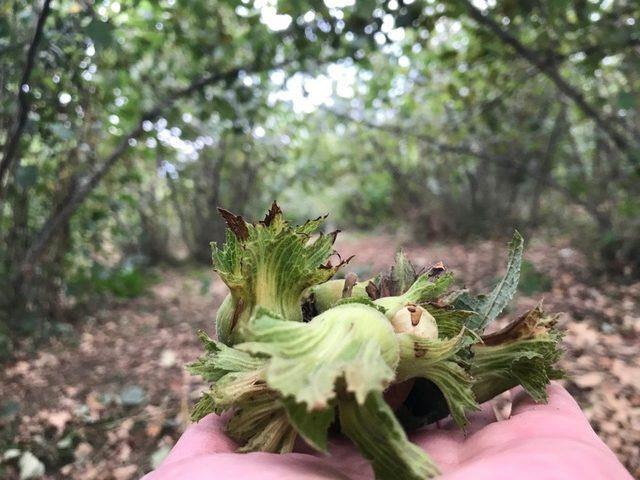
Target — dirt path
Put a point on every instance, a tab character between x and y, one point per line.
108	402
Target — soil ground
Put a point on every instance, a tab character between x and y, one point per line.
111	398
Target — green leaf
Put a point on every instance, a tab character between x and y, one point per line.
26	176
224	108
373	427
464	300
101	33
61	131
626	100
403	274
490	307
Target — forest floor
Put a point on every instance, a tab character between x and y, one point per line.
109	400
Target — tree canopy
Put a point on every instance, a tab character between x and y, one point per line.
124	124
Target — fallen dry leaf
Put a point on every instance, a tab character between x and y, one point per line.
82	451
588	380
58	419
94	405
124	473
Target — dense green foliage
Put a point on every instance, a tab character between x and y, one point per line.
124	124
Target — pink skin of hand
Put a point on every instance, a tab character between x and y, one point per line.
538	442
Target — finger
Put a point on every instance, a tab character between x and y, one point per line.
551	458
559	400
249	466
206	436
480	419
443	446
561	417
570	420
476	420
444	443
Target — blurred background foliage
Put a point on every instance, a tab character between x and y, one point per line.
124	124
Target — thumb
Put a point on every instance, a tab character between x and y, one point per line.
205	437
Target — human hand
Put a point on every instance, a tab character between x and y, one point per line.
538	442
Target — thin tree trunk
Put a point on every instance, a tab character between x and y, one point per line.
460	149
545	166
216	177
24	103
182	219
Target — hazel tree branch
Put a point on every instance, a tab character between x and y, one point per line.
549	70
459	149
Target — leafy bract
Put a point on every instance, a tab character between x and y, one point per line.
269	264
253	416
403	274
488	308
312	426
403	281
276	436
351	344
523	353
450	320
294	347
221	360
239	383
426	289
351	341
234	372
373	427
423	290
